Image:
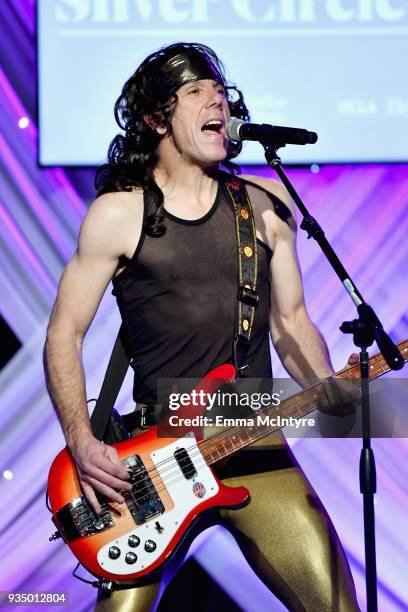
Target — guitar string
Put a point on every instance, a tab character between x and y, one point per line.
210	453
196	450
377	368
195	456
289	399
219	435
215	438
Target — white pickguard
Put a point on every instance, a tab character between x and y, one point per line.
181	493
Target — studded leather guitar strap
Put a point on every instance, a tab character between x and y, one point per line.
247	298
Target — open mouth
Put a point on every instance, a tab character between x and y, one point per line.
213	127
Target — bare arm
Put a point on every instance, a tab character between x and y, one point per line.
81	288
297	340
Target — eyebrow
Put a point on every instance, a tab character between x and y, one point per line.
189	86
197	84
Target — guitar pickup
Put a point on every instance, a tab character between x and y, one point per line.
185	464
143	501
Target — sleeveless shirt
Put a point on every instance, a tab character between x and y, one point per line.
177	298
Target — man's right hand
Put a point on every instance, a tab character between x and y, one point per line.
100	469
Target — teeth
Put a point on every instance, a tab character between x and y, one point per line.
216	122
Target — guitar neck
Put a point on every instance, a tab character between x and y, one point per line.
232	439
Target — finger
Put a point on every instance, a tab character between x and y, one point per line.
353	359
336	398
106	490
114	470
107	478
117	467
91	497
109	462
107	459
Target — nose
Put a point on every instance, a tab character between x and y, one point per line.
215	98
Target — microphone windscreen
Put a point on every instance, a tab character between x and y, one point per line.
232	128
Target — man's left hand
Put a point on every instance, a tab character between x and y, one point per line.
340	396
353	359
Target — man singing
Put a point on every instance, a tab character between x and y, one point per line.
163	230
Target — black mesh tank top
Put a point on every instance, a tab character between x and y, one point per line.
177	298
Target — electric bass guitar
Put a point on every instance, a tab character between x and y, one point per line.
173	484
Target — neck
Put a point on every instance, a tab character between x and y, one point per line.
231	439
185	181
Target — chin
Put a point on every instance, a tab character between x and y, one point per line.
217	158
211	158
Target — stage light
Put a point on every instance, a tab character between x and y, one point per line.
315	168
23	122
8	474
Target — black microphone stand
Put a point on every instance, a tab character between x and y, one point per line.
365	329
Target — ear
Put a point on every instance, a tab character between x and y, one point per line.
151	122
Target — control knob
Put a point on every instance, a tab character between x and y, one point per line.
150	546
114	552
131	558
133	541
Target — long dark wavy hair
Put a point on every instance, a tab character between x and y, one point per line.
132	157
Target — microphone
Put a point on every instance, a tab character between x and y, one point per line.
267	134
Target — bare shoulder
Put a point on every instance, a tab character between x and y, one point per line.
116	206
113	221
271	186
274	205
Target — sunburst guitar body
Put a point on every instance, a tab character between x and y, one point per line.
173	485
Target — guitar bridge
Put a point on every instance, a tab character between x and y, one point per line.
77	519
143	502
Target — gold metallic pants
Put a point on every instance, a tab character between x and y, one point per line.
284	532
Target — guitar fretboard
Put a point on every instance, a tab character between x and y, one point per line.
231	439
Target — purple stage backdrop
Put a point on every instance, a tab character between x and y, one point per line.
363	210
